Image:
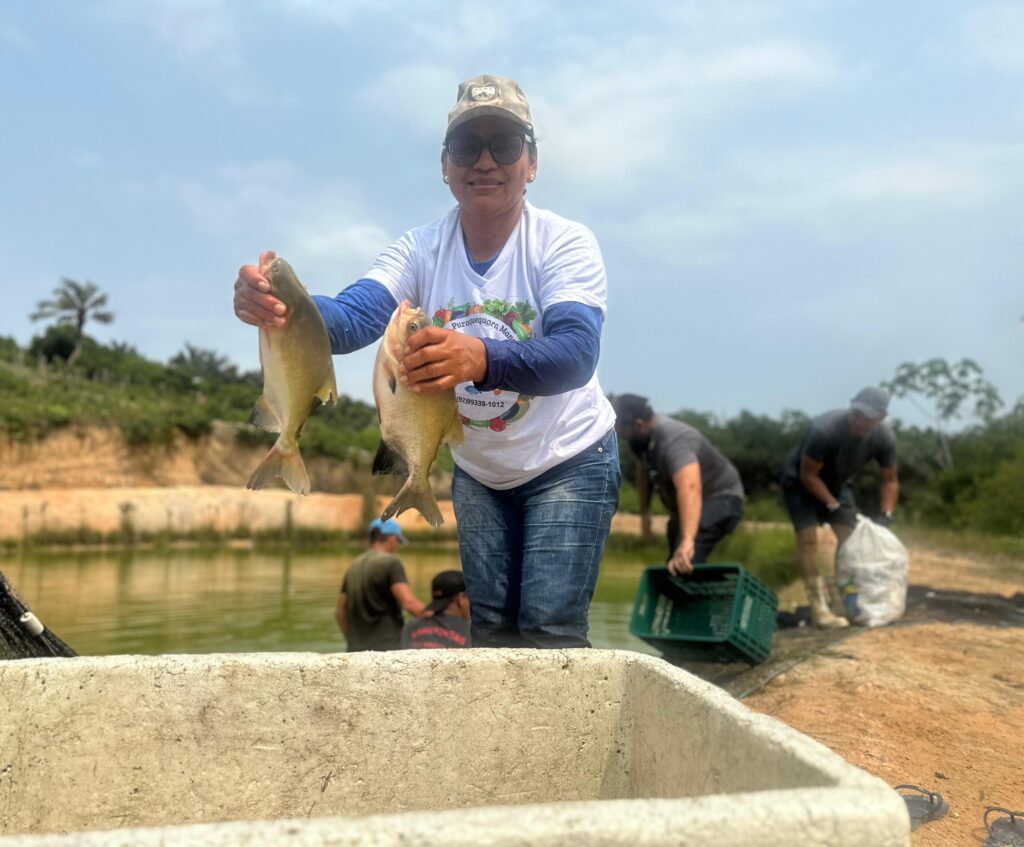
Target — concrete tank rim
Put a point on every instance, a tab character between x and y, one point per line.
811	751
647	821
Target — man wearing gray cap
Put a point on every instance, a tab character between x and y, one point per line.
815	484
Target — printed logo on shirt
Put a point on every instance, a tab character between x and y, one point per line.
498	409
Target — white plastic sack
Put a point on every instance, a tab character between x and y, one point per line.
871	570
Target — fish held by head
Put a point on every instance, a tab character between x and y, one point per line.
298	375
413	426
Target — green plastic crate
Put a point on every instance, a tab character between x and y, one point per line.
719	613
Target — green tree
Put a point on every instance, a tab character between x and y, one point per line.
949	388
998	502
74	304
200	365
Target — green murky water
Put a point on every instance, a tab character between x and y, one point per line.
184	601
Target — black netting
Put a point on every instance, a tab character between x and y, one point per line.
16	639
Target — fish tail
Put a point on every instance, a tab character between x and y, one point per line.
415	494
284	461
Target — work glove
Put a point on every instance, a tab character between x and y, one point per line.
843	515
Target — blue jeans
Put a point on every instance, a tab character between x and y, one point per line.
530	555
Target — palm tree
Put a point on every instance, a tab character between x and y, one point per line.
74	304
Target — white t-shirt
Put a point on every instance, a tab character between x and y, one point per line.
509	438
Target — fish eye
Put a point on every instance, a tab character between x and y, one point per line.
413	326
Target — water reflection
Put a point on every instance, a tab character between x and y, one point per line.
238	601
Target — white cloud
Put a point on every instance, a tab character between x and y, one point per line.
333	12
994	32
12	36
812	181
85	160
188	29
415	96
644	106
270	204
840	194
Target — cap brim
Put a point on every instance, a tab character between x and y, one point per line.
486	111
867	411
440	604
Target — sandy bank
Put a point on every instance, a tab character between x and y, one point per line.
190	509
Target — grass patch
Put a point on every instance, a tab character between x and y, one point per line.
1007	549
769	553
765	510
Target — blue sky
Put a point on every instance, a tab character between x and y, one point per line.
792	198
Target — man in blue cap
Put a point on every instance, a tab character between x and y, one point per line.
375	592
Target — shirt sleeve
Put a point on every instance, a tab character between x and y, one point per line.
357	316
816	446
886	453
398	268
678	451
396	573
564	358
573	271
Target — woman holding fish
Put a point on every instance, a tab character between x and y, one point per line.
513	300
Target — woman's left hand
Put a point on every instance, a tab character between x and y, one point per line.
439	359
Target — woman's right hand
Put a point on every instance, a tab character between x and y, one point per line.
253	303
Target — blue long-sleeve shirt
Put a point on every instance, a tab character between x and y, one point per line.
563	359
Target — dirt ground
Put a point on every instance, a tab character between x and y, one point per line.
937	701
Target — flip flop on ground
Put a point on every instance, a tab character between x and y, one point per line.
1006	830
923	806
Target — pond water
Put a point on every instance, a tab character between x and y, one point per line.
188	601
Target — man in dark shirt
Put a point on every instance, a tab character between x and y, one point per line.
700	488
815	484
448	625
374	593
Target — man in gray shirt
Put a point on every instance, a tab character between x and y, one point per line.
700	488
815	484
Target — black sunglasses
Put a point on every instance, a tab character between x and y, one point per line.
505	149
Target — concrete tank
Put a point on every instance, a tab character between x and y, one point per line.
489	748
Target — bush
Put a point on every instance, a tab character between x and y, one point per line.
56	344
768	553
997	504
10	351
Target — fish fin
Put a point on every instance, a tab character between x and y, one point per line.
328	392
390	376
453	434
264	416
387	461
415	494
287	465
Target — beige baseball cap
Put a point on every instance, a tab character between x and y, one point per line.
490	95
